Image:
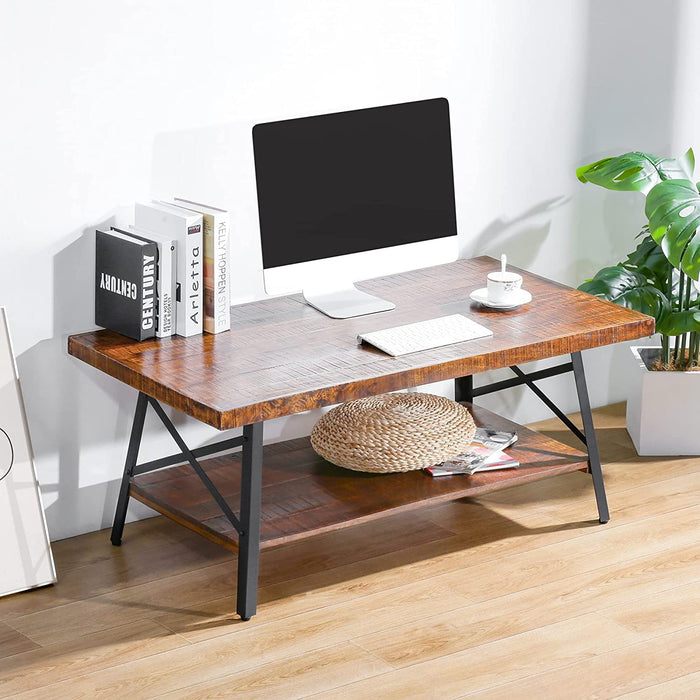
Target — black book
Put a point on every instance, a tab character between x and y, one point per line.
125	284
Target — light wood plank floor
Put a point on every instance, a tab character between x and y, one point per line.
521	594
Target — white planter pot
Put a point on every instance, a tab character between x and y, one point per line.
662	409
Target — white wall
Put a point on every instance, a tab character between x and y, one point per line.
107	103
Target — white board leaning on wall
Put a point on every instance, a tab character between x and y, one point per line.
25	550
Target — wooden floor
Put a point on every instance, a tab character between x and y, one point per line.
518	594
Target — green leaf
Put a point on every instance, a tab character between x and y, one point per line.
673	208
636	171
679	322
687	163
628	288
648	258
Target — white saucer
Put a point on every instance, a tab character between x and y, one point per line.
520	297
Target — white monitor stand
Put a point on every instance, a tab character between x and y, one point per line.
346	301
327	284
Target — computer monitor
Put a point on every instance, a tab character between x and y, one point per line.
353	195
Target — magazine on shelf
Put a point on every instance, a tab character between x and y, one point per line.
484	454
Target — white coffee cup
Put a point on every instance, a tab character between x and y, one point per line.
503	287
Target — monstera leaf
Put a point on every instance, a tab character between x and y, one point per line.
679	322
631	288
649	259
628	288
656	277
636	171
673	209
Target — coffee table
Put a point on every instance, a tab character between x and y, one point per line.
283	357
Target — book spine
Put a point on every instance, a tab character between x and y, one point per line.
217	273
191	281
186	230
149	301
165	276
166	289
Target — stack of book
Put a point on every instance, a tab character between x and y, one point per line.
168	274
486	453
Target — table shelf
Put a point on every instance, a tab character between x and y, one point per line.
304	495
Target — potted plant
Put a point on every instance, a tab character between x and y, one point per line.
659	278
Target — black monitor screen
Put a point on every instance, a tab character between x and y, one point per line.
354	181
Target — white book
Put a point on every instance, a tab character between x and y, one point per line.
166	285
186	228
217	266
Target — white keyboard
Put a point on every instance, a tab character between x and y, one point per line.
424	335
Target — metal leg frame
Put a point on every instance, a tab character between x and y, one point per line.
465	391
247	524
249	534
591	441
132	454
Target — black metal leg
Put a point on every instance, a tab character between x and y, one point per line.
249	536
464	389
248	525
132	454
591	442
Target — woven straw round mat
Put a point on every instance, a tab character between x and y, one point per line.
393	432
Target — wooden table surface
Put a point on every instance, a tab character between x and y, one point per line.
282	356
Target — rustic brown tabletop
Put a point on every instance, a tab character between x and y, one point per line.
282	357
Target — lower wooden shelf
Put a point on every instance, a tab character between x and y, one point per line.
304	495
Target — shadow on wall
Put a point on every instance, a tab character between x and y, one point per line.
628	105
80	418
522	236
214	165
65	399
